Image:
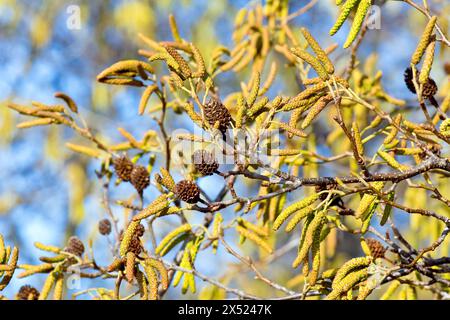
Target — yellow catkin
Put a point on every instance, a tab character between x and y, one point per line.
316	109
292	130
367	200
321	55
347	283
185	263
234	60
173	234
269	80
255	238
198	58
345	11
424	41
68	100
253	94
174	28
263	232
2	250
360	15
164	56
349	266
59	287
152	278
129	266
35	123
163	274
5	267
145	97
48	285
444	128
84	150
258	107
167	179
393	133
12	265
391	161
364	292
142	283
241	111
155	207
184	67
127	237
43	268
216	231
286	213
427	63
408	151
300	105
298	217
312	233
316	256
357	137
123	66
390	290
44	247
312	61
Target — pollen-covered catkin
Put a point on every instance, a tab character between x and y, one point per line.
216	230
349	266
241	110
357	136
424	41
198	58
286	213
255	238
145	97
320	53
390	290
347	283
184	67
444	128
59	286
48	285
316	109
173	234
152	278
167	179
156	206
312	231
312	61
390	160
361	13
302	213
159	266
368	199
128	236
345	12
253	94
427	63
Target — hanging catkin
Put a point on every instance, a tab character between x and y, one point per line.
312	61
424	41
321	55
345	11
427	63
286	213
361	13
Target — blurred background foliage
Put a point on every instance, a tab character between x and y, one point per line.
48	193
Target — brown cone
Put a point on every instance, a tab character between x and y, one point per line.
204	162
123	167
429	89
140	178
187	191
104	227
376	248
216	111
28	292
75	246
